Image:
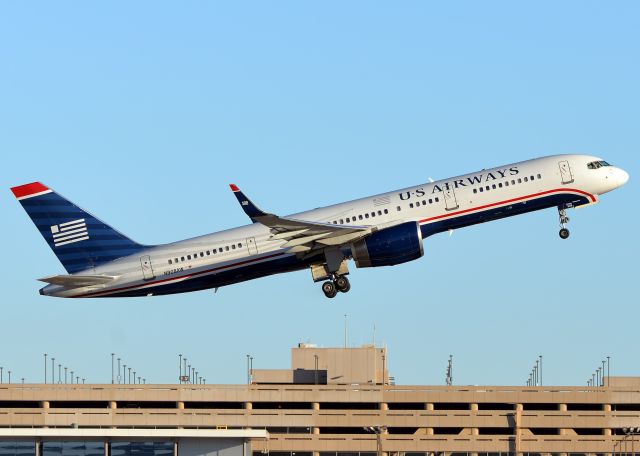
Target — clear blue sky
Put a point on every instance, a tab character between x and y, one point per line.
143	112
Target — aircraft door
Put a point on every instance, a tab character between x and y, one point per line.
147	269
449	196
565	172
252	246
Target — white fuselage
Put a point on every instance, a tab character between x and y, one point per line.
437	206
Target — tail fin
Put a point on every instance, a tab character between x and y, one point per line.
79	240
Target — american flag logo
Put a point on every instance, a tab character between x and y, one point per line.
69	232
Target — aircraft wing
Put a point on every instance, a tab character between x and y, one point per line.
78	281
301	235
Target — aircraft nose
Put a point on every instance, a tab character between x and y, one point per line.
622	176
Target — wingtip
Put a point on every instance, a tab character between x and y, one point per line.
22	191
234	187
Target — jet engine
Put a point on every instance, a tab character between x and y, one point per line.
390	246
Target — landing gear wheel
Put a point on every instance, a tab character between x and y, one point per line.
562	214
342	284
329	290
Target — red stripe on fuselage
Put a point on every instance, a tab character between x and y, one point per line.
29	189
513	200
188	276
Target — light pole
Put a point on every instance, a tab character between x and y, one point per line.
112	367
124	371
180	366
59	373
1	381
608	375
129	376
65	375
53	370
540	370
315	372
118	370
9	372
45	368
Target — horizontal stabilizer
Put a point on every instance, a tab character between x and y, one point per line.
78	281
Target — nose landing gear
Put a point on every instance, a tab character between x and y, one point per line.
564	232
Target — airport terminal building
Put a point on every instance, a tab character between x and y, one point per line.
332	402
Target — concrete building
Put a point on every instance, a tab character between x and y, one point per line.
332	402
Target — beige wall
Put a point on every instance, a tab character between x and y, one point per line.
415	416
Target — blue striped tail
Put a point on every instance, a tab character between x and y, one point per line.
79	240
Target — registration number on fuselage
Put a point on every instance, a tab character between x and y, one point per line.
173	271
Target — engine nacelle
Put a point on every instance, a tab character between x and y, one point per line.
390	246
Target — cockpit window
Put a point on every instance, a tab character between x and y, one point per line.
597	164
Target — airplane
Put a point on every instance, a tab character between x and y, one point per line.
381	230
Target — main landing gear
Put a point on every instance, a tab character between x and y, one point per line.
564	232
330	288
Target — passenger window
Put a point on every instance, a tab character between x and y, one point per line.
233	246
526	179
398	208
170	261
373	214
360	217
341	221
493	186
424	202
475	190
506	184
430	201
487	188
481	189
500	185
188	257
239	245
208	252
379	212
519	181
175	260
531	178
348	220
386	211
181	258
539	176
417	203
411	205
513	182
437	199
201	254
366	215
226	247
